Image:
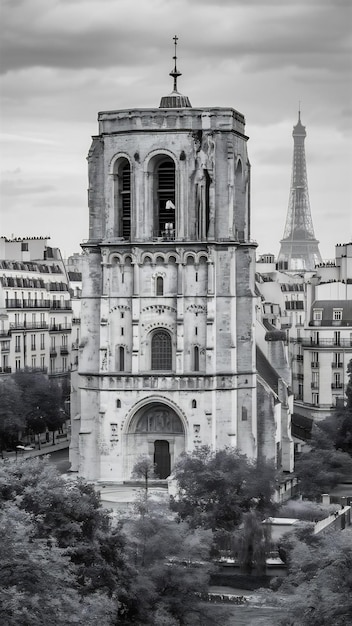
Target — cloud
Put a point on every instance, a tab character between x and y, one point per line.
20	188
115	34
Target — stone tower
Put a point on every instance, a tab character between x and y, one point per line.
167	346
299	247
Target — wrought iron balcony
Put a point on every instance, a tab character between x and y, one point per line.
327	343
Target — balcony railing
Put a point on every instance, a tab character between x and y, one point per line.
29	325
336	364
327	343
53	352
36	304
27	304
59	327
314	385
336	385
5	370
299	357
314	364
63	306
63	350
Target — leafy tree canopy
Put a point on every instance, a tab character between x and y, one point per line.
323	467
319	581
12	419
216	488
37	582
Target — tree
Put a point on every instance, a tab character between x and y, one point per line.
323	467
171	565
217	488
41	401
144	468
12	421
319	581
338	426
37	581
70	513
253	544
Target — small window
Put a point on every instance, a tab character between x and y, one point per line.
317	315
337	314
159	286
244	416
121	359
194	404
196	359
118	403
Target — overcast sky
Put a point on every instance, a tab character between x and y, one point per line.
62	61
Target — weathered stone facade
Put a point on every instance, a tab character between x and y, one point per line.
167	357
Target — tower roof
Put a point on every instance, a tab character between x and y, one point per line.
175	99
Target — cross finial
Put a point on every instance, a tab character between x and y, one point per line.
175	73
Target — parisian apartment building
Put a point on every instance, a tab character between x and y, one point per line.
314	308
36	307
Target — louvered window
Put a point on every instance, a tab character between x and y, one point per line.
126	201
166	198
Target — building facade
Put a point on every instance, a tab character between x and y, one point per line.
314	308
35	307
167	347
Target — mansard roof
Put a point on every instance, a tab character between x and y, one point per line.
327	308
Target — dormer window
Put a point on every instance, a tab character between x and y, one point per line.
317	315
337	314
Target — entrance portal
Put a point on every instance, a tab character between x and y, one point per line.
162	458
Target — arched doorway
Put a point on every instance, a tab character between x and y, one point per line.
158	432
162	459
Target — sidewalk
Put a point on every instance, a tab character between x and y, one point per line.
46	448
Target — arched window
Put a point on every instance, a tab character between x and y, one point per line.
196	359
121	359
166	198
118	403
125	192
194	404
159	286
161	351
122	194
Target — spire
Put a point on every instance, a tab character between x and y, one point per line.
174	100
299	247
175	73
299	130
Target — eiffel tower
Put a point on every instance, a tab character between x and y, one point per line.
299	247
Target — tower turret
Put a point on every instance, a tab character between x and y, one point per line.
299	247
